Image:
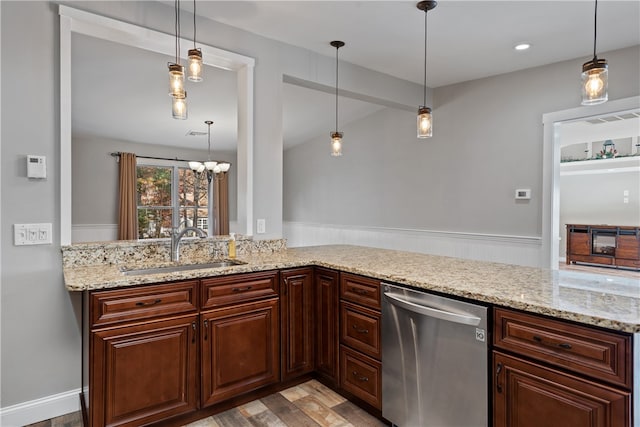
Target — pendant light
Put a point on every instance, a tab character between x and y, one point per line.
176	71
179	106
336	137
195	55
595	73
210	167
425	119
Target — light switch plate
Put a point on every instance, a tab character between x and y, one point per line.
32	234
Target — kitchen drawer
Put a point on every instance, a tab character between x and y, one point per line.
360	329
361	376
361	290
110	307
601	355
225	290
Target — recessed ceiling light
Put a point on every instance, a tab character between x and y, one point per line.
522	46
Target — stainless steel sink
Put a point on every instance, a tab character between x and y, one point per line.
128	271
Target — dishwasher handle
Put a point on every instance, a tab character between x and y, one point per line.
433	312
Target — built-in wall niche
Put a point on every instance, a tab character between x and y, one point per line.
74	22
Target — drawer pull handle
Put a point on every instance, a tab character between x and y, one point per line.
360	291
564	345
248	288
147	304
360	331
360	378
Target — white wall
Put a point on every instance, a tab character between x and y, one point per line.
487	143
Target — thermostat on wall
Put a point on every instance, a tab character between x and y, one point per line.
524	194
36	166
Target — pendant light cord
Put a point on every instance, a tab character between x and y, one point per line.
177	28
424	95
595	28
209	141
337	47
194	24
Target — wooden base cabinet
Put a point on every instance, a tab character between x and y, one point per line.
297	334
143	354
558	374
360	351
530	395
240	350
326	324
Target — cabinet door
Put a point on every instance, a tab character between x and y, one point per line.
144	373
240	349
326	324
628	246
580	243
297	333
524	392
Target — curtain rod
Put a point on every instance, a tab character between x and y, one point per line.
175	159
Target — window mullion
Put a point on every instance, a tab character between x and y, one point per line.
175	196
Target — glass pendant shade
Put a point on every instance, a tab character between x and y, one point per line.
195	65
595	82
336	144
210	165
176	80
224	167
196	166
179	107
425	122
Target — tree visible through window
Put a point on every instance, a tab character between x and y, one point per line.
168	196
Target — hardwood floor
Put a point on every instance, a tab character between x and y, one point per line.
310	404
594	269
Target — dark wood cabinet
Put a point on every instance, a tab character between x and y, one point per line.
530	395
360	351
142	353
240	349
297	311
569	374
326	324
604	244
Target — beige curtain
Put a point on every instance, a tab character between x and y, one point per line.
128	212
221	203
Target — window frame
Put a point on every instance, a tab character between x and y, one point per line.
175	185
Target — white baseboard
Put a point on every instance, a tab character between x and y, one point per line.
520	250
40	409
94	232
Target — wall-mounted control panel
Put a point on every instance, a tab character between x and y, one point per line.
261	226
32	234
36	167
523	194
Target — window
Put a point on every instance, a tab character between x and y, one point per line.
170	194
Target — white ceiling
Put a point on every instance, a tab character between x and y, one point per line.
467	40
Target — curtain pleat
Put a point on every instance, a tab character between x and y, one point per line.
128	211
221	204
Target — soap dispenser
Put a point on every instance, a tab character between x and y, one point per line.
232	245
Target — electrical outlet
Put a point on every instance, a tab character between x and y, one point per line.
261	226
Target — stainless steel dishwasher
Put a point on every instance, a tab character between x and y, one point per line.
434	360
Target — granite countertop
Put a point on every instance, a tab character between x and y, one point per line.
609	302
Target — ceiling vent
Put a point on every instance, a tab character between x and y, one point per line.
196	133
614	118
